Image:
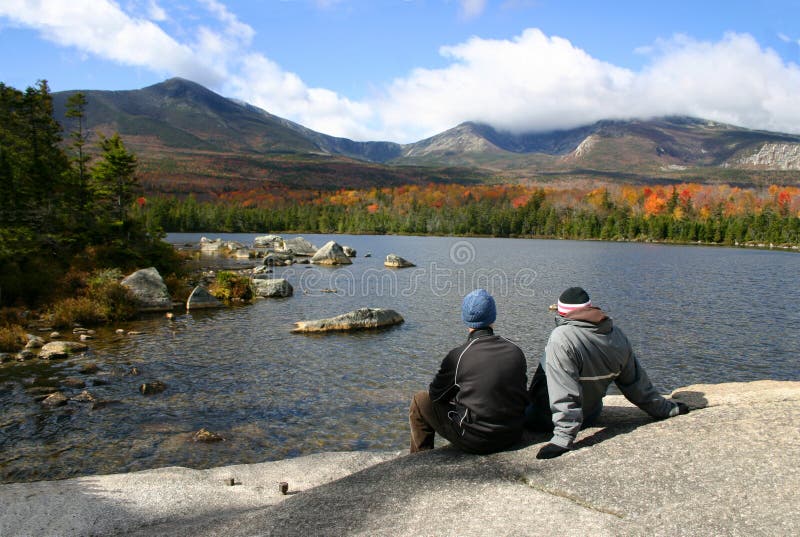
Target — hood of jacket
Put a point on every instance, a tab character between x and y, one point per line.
590	318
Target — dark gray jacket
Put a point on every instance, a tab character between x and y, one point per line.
584	355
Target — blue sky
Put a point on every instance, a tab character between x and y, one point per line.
402	70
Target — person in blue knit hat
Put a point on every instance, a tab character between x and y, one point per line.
477	399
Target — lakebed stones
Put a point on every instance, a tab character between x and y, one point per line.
61	349
202	299
149	290
395	261
272	288
331	254
360	319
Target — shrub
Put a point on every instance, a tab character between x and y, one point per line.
115	300
178	287
12	338
231	286
82	310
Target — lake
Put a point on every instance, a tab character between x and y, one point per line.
694	315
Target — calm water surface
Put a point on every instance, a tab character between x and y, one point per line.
694	315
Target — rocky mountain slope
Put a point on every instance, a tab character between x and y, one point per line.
185	132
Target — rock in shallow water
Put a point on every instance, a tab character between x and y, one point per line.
395	261
61	349
359	319
331	254
202	299
275	287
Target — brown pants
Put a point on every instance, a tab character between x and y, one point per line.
425	422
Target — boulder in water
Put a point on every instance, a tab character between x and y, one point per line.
61	349
298	246
359	319
395	261
149	290
331	254
202	299
270	288
349	251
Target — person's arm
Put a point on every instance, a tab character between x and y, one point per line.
635	385
443	388
564	387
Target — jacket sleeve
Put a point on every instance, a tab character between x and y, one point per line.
564	387
635	385
443	387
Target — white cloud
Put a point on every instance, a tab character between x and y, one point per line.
536	82
472	8
156	12
101	28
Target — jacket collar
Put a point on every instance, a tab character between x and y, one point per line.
480	332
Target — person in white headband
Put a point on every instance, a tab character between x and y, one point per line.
583	356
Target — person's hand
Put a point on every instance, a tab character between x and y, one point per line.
551	451
678	409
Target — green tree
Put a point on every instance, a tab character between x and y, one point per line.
113	181
76	111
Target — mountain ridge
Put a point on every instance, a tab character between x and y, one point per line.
168	122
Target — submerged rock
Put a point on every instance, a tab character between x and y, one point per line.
149	290
55	399
271	288
204	435
395	261
151	388
61	349
34	342
331	254
202	299
359	319
83	397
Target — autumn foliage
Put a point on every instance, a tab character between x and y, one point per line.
687	212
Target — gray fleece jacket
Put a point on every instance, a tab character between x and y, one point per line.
584	355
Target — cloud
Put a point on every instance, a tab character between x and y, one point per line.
102	29
156	12
535	82
471	9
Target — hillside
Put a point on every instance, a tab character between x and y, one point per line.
190	139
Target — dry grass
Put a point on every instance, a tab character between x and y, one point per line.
12	338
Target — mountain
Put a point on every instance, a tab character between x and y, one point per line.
192	140
189	138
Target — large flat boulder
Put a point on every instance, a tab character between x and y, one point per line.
729	467
331	254
149	290
359	319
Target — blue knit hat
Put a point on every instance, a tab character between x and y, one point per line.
478	309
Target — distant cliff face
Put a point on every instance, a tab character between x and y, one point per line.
773	156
